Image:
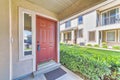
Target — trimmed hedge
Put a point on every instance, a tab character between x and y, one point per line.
96	45
94	66
90	45
104	45
116	47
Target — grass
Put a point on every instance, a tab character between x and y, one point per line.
91	51
101	52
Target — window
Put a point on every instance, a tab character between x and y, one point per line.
110	36
67	24
25	34
92	36
80	20
110	17
80	33
69	35
105	17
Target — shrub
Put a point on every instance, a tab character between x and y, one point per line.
104	43
61	43
116	47
90	45
89	63
96	45
104	46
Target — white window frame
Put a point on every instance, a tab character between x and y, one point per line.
107	33
109	10
89	36
22	57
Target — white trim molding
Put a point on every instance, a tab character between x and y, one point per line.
34	33
110	9
22	57
58	42
34	44
10	38
33	14
107	36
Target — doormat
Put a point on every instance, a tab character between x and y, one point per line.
55	74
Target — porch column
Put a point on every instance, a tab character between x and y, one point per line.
62	37
100	38
66	38
73	36
97	37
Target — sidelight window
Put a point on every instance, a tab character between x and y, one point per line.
25	34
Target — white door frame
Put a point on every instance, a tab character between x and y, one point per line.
33	13
58	30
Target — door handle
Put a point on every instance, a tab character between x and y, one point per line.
38	47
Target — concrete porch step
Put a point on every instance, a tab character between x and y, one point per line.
46	67
46	64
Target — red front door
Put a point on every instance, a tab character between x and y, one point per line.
45	40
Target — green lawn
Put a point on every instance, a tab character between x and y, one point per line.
93	63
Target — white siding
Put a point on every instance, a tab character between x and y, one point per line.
79	40
89	21
62	27
89	24
74	22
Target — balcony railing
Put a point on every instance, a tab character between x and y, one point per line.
111	20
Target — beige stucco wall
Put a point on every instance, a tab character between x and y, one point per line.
21	68
4	40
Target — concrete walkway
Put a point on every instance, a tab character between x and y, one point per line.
68	76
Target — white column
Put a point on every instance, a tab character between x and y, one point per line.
66	38
73	36
97	37
62	37
101	38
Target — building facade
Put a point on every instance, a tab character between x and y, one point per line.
30	34
94	27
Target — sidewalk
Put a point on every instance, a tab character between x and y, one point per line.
68	76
